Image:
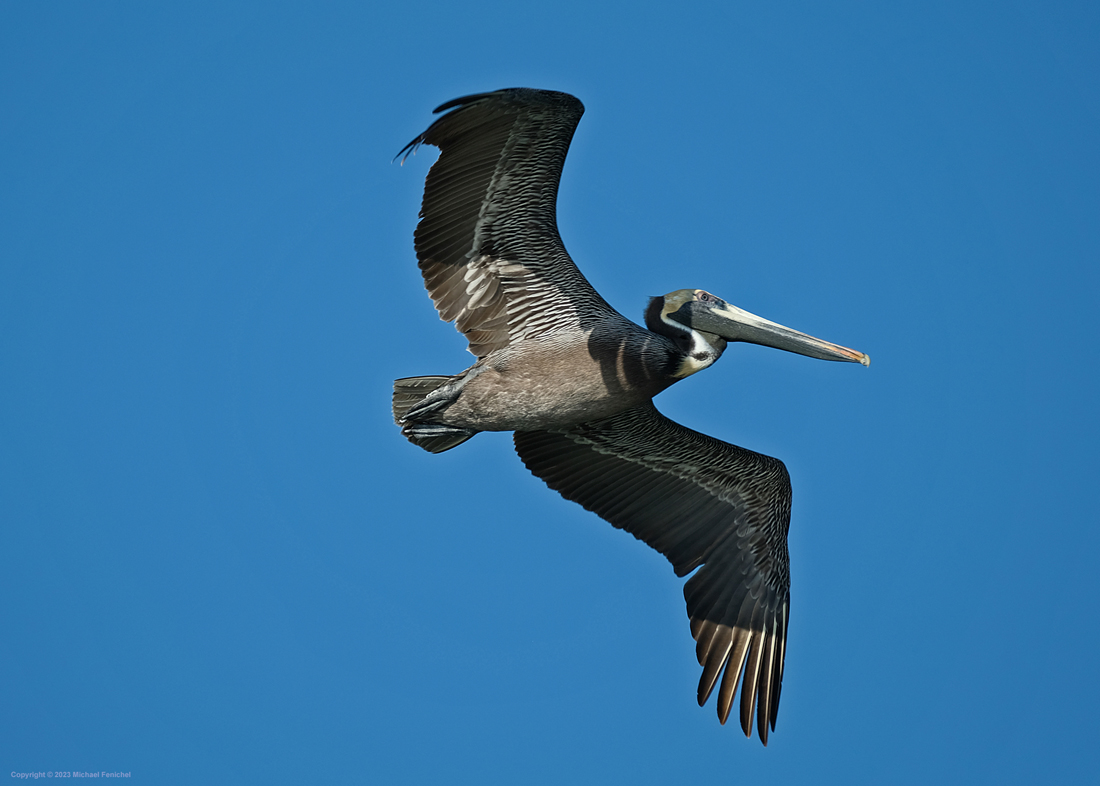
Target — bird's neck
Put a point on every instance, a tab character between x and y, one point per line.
695	351
691	350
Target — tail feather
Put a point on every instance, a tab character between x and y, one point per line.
410	391
433	437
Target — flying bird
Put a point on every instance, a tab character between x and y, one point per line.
574	379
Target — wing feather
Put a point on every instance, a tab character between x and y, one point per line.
704	504
488	243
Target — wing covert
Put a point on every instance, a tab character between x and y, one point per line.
704	504
488	243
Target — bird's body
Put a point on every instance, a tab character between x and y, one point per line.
575	380
519	388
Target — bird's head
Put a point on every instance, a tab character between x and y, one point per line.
701	324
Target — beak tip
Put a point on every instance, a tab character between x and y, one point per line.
865	360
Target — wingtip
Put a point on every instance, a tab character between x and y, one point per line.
408	150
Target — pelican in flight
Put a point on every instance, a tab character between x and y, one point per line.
574	380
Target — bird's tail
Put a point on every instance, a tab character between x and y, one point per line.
408	395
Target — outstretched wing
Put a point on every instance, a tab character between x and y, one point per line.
488	241
705	504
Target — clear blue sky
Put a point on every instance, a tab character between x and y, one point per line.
222	562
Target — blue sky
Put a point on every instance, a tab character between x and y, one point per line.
223	562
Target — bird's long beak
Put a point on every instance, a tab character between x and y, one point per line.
735	324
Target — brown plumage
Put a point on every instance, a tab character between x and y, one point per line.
575	380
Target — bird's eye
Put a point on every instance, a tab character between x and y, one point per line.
705	297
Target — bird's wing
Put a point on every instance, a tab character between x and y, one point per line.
488	241
700	502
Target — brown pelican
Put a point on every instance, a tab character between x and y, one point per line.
575	380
